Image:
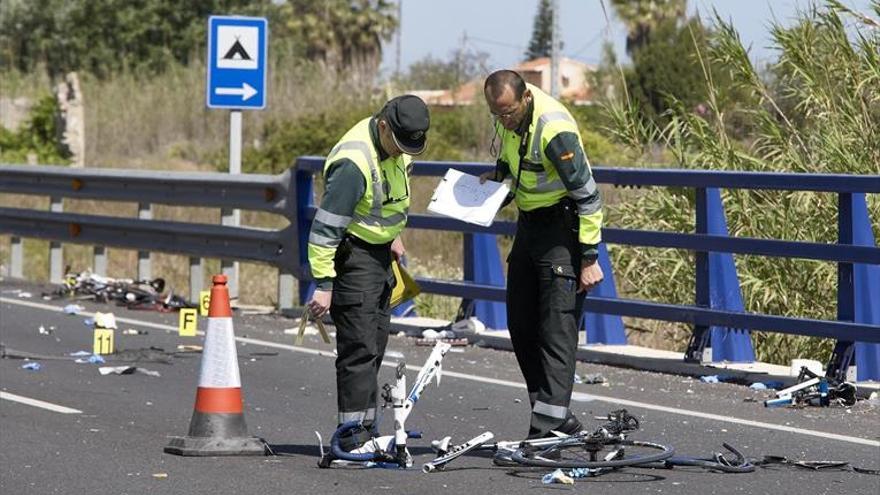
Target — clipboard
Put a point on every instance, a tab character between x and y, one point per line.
406	287
463	197
302	328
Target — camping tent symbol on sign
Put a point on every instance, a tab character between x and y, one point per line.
237	47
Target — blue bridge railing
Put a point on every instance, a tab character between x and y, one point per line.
718	318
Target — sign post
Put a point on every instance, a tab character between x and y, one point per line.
236	79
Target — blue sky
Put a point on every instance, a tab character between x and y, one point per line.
503	28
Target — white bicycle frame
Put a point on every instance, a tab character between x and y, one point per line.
402	404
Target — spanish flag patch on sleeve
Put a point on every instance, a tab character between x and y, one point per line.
568	155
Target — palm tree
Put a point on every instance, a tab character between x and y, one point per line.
344	35
642	16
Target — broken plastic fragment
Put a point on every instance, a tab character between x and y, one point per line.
394	354
72	309
126	370
557	477
105	320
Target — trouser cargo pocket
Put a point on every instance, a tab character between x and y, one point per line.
561	283
347	298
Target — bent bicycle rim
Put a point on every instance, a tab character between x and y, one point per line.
576	455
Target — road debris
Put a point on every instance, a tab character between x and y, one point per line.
815	390
126	370
584	472
589	379
429	333
105	320
557	476
73	309
460	342
133	294
472	324
31	366
93	359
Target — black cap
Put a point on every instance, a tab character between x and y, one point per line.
408	118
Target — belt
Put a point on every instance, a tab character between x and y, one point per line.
545	213
357	241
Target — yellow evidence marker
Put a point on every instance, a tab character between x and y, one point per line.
204	302
103	341
187	322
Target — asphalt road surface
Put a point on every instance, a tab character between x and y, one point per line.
95	434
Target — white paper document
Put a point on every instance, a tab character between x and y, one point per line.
461	196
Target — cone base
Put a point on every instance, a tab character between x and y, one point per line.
207	446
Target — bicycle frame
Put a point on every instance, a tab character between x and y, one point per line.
608	439
391	449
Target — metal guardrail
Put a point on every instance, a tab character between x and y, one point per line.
274	194
291	195
844	253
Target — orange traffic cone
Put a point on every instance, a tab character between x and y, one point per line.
217	426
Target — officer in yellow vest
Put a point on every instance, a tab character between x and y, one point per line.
353	238
553	259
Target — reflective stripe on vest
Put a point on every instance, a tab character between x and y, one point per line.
541	179
370	225
375	216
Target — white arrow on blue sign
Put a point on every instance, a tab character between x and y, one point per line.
237	62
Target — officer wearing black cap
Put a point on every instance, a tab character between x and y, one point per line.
354	235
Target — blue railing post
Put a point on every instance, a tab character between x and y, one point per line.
728	344
700	338
857	294
842	356
867	292
466	308
305	197
488	270
482	265
717	288
604	328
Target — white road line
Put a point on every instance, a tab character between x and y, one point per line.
577	396
49	307
38	403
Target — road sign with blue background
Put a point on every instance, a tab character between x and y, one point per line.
237	62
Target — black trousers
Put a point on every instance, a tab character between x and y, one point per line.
543	309
359	308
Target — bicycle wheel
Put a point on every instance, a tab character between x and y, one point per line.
708	464
719	462
577	453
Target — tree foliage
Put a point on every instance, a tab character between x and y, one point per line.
668	68
105	36
819	113
642	16
102	36
344	35
431	73
541	44
38	135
